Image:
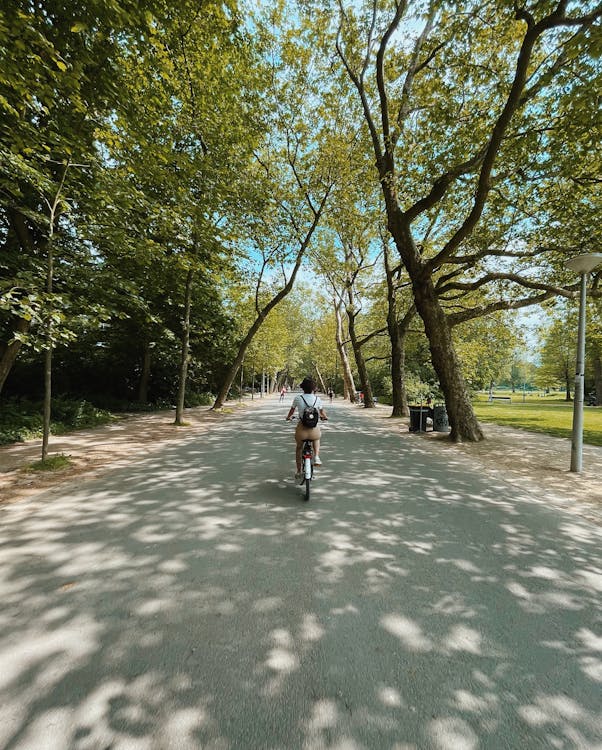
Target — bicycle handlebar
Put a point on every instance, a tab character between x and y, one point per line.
294	417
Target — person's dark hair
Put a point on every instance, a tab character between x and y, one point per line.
308	385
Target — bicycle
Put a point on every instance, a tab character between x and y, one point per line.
307	464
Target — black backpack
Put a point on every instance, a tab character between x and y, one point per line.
310	415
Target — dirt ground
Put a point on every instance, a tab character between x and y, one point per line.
537	463
93	451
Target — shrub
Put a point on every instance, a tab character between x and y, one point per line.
199	399
21	419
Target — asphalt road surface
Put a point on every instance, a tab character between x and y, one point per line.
194	600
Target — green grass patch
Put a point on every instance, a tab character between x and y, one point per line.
54	463
552	417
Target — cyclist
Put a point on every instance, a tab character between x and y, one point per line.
302	400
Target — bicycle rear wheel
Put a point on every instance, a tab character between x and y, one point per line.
307	483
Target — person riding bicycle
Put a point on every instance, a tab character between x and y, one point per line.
307	399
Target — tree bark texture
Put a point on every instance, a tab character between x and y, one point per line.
9	352
462	420
48	357
185	350
348	383
360	362
236	364
320	378
397	335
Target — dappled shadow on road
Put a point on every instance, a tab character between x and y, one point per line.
195	601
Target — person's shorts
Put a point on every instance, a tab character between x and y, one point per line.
307	433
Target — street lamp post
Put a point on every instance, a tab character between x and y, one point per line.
581	264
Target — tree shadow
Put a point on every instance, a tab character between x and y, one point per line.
194	600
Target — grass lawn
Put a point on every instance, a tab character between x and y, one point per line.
539	414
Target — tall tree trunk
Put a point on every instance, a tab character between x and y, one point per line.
145	374
185	350
53	219
9	352
48	355
403	393
462	420
320	378
359	360
236	364
47	398
19	235
348	384
598	376
397	335
567	381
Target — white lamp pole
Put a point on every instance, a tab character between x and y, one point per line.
581	264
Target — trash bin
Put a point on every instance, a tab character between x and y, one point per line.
440	423
418	417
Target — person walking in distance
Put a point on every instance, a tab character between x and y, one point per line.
307	427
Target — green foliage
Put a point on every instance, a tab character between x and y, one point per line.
199	399
485	346
557	352
190	147
21	420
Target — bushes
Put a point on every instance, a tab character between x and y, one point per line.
199	399
21	419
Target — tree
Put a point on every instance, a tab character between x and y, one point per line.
296	176
468	149
557	356
59	80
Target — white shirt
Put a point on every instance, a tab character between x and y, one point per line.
304	400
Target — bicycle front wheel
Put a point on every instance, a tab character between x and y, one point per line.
307	483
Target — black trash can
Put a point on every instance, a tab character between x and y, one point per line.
440	423
418	417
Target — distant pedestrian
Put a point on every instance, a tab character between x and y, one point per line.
282	393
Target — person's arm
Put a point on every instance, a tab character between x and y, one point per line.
322	414
291	411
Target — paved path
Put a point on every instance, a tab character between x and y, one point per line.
193	600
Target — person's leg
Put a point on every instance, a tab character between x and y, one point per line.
317	450
299	447
315	436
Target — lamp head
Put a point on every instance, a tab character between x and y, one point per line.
584	263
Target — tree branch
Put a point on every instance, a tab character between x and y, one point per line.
380	72
359	85
513	102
